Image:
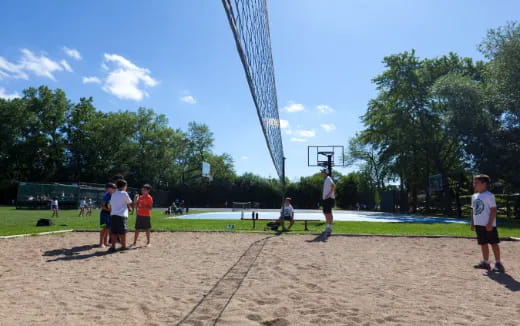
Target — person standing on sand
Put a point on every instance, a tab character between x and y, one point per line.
329	195
120	204
144	206
484	222
104	215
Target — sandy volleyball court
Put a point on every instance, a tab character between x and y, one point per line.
246	279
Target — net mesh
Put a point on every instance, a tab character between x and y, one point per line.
250	25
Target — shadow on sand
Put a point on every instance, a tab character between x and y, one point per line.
506	280
74	253
323	237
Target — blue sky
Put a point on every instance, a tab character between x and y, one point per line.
179	58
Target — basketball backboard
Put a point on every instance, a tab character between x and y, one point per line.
320	155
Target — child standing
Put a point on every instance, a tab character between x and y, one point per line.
483	222
144	205
120	204
82	206
54	206
287	214
104	215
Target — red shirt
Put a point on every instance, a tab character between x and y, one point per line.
142	201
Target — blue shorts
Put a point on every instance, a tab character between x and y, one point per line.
104	219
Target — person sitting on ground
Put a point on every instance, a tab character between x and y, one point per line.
143	205
120	204
287	214
54	206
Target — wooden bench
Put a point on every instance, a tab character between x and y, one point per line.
274	220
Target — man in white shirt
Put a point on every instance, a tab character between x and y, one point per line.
120	204
329	195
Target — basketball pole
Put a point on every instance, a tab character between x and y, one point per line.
329	164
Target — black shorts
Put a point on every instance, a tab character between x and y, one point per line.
118	224
486	237
328	204
142	222
287	218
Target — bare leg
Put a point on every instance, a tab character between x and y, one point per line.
496	251
148	237
113	239
106	236
485	252
290	225
123	240
136	235
102	237
329	218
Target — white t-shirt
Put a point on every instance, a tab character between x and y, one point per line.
82	203
482	204
119	202
287	210
55	202
327	185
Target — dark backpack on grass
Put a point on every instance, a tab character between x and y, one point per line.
44	222
273	225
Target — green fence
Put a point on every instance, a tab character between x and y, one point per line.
39	195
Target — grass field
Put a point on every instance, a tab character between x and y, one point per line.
14	221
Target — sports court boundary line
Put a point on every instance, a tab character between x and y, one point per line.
262	232
33	234
208	297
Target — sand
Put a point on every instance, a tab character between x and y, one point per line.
253	279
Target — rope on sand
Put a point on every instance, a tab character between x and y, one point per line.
212	305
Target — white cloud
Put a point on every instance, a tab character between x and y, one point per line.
73	53
298	140
11	70
6	96
245	157
305	133
284	124
65	65
125	79
40	65
323	108
328	127
188	99
294	107
91	80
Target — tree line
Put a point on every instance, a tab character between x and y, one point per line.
448	115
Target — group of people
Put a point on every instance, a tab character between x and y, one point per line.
327	203
85	206
114	215
177	207
117	204
483	217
